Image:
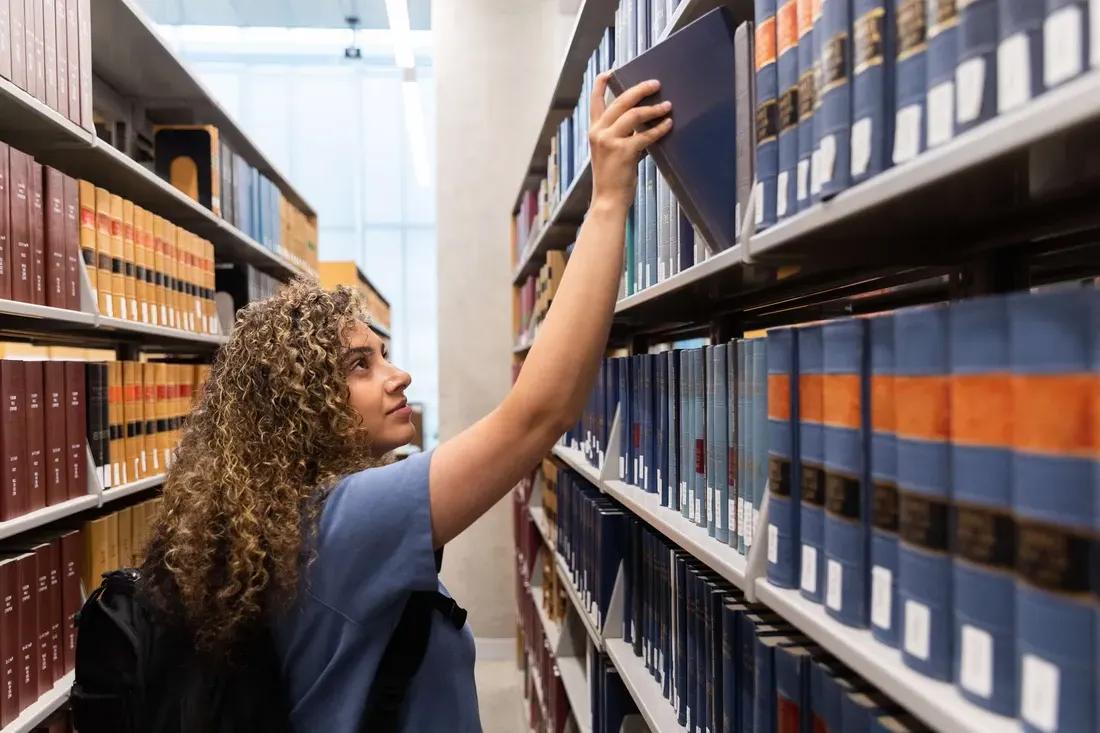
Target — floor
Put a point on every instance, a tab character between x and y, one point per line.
499	696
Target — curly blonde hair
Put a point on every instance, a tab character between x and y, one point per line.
271	432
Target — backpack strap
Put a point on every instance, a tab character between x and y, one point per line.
403	655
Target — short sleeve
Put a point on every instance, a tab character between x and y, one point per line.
374	542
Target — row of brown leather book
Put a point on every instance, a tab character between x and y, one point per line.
143	267
39	232
46	50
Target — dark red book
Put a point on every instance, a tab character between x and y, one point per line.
75	438
17	45
34	384
5	223
72	598
28	629
53	612
9	638
39	51
56	268
13	444
72	43
84	29
5	41
28	47
72	241
57	447
43	663
61	27
49	36
38	235
19	195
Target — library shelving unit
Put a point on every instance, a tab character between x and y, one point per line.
1006	206
92	117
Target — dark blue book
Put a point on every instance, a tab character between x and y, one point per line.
661	447
760	429
721	443
629	579
924	554
617	702
812	465
1053	346
1019	52
1066	32
650	462
976	73
698	155
767	112
837	685
742	438
701	641
626	419
730	652
909	80
786	35
885	616
708	448
690	652
687	454
700	437
718	595
836	98
941	59
745	510
685	238
860	710
730	471
981	479
847	470
652	214
672	407
681	645
611	540
691	458
640	206
806	97
872	87
792	685
783	459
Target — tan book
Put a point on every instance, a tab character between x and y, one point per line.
164	428
87	198
149	433
118	252
134	406
140	301
95	552
137	533
125	538
129	259
112	542
159	314
103	251
116	449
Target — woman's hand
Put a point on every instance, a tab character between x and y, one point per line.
615	146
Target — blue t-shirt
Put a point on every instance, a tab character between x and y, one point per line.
374	548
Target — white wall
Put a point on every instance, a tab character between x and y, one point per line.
495	64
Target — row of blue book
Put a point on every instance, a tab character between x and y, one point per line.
693	431
934	476
845	89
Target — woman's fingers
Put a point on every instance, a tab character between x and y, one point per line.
633	119
646	138
598	106
626	101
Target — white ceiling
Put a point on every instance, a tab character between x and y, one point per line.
282	13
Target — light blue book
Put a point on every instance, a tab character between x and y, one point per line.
721	447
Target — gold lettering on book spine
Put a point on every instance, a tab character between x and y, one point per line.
868	40
912	28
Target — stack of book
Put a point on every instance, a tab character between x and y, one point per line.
536	295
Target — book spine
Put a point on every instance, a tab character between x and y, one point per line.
722	444
84	34
650	424
1054	355
43	664
1020	59
941	59
17	45
57	285
61	49
732	411
767	112
661	437
760	428
744	455
1066	40
39	35
872	87
686	237
788	691
98	433
924	555
700	437
885	617
35	474
57	485
976	73
787	68
784	512
6	245
686	453
73	51
9	641
13	425
701	653
847	485
75	435
5	40
805	100
27	603
651	213
673	429
49	44
38	234
640	229
662	228
636	417
729	673
836	97
817	15
681	646
708	447
20	217
29	62
811	442
981	477
909	79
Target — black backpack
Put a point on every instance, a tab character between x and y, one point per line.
136	672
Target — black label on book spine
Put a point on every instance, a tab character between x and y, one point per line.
104	261
842	496
985	536
912	28
779	475
767	121
925	521
868	39
1058	559
806	95
117	266
884	511
788	109
813	485
89	256
834	63
139	273
128	269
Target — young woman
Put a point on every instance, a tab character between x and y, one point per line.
278	514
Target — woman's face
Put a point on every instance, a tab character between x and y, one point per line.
377	391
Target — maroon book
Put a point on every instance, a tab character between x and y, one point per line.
57	447
61	23
5	40
38	235
28	47
5	222
28	629
57	662
72	598
13	445
84	28
39	51
57	289
75	435
49	37
72	242
72	42
19	165
9	638
34	385
17	45
43	663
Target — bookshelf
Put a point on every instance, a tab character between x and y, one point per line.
996	209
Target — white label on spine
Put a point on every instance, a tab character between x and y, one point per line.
941	113
907	126
698	509
882	586
804	177
834	582
861	146
741	517
683	494
773	544
976	661
918	633
732	517
1041	682
1094	32
969	83
710	503
781	194
815	171
828	158
1062	50
809	569
622	468
660	483
759	203
1013	72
